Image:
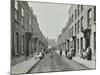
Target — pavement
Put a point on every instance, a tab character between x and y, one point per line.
90	64
17	60
25	66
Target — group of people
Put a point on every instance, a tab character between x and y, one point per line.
88	52
88	55
65	52
51	53
61	52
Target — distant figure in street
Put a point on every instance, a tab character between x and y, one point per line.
66	53
51	53
60	52
43	54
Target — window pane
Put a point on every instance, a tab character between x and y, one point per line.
78	26
72	18
22	12
16	15
22	20
81	8
90	14
94	40
81	43
22	45
16	5
75	14
81	22
75	28
29	21
78	10
77	43
94	13
72	31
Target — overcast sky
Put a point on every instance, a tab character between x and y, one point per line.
51	17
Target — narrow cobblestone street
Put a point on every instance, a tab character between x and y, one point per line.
56	63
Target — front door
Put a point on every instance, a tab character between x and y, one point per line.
87	43
17	44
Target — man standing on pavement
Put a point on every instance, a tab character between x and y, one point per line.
66	53
51	53
60	52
